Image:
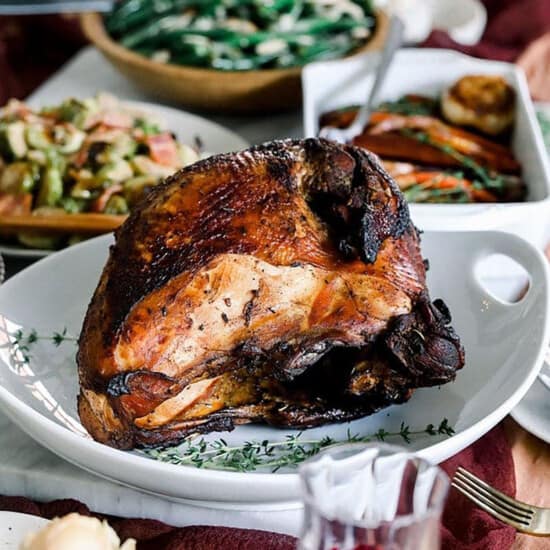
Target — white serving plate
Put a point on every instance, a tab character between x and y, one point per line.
186	126
333	84
14	527
504	344
533	411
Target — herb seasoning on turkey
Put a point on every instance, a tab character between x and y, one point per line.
283	284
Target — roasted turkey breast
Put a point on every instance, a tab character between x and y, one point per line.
282	284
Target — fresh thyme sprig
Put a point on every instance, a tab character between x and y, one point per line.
23	341
289	453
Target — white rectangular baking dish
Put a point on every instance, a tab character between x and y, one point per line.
333	84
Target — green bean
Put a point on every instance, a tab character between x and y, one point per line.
192	59
132	13
251	40
243	64
167	32
318	26
146	51
213	9
270	13
151	30
322	51
170	35
283	5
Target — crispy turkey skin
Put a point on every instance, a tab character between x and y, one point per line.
282	284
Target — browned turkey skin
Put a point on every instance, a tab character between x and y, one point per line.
283	284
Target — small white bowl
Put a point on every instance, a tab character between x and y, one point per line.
330	85
464	21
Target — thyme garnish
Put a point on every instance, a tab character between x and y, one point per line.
251	455
289	453
23	341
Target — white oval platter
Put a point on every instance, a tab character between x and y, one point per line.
504	344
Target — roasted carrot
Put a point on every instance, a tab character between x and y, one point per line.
393	145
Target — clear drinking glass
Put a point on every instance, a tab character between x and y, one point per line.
371	497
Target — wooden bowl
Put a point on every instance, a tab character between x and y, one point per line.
209	89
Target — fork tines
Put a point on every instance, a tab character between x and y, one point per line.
494	502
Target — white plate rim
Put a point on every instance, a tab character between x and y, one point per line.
522	416
519	413
19	525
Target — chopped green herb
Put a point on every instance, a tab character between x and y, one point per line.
149	128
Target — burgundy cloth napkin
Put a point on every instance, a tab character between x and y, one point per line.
155	535
465	527
511	26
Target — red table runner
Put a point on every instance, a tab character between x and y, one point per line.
464	526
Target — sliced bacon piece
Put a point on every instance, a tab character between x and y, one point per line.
163	149
14	205
101	202
110	119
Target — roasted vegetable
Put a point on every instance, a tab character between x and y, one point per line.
51	188
433	161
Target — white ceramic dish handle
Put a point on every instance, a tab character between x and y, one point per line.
522	252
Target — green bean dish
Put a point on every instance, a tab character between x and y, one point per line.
240	35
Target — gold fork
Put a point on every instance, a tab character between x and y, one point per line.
524	517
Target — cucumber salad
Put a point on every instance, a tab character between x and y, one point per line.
92	155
